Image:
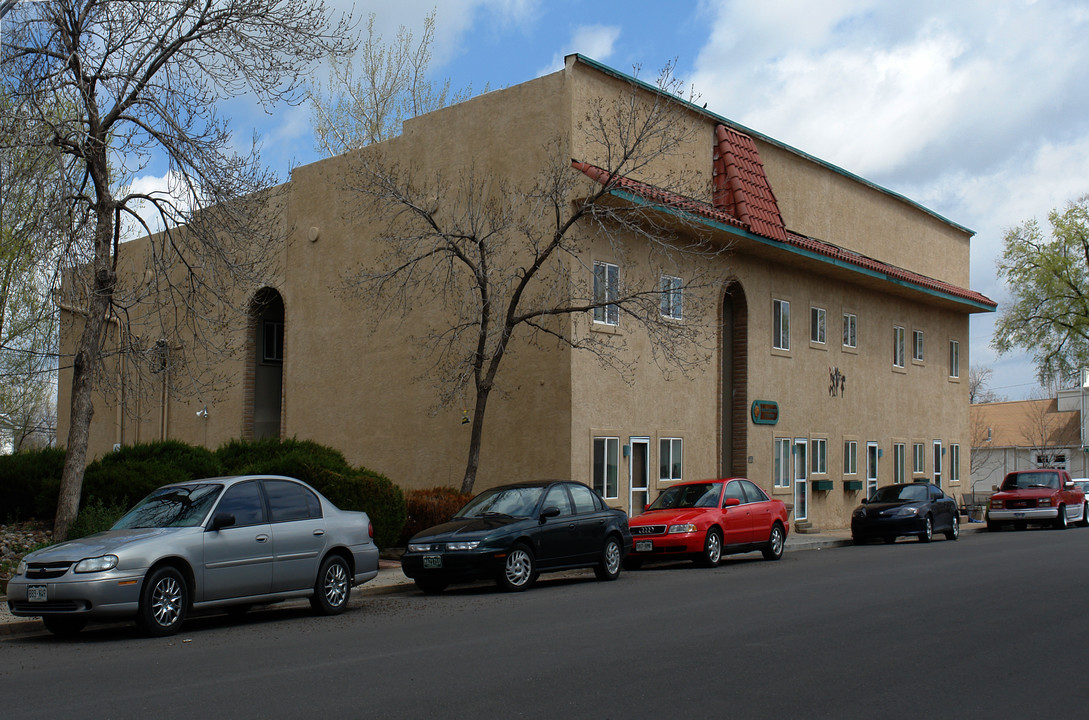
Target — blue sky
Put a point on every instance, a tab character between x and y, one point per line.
977	109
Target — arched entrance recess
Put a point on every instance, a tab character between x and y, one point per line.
733	379
265	366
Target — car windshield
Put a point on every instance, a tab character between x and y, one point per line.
688	496
1020	481
1083	485
174	506
512	501
900	493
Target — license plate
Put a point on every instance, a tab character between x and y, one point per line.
1019	514
644	545
37	593
432	561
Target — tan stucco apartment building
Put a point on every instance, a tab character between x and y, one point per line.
839	358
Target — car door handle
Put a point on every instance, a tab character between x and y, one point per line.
319	532
262	538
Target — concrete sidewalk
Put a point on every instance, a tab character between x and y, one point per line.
391	580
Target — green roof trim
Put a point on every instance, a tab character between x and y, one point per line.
749	131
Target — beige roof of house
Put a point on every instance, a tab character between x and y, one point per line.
1024	423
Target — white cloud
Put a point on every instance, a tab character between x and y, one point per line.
594	41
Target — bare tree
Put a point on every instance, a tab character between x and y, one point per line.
978	392
371	94
137	83
1040	431
509	263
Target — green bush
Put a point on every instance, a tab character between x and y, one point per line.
30	483
326	470
94	517
124	477
425	508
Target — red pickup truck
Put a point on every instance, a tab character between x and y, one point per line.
1043	496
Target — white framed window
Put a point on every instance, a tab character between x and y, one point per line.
671	297
897	346
818	456
850	457
607	466
606	290
917	345
850	330
817	325
782	462
670	458
899	463
780	324
918	462
954	463
954	359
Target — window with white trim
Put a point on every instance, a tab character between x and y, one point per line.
850	457
899	463
780	324
817	325
850	330
671	297
897	346
782	462
917	345
606	290
918	462
938	462
818	457
954	463
607	466
670	456
954	359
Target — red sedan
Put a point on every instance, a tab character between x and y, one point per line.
707	519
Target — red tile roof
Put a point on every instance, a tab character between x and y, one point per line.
744	200
741	187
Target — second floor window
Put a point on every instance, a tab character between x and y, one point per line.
780	324
917	345
817	323
850	330
671	297
954	359
898	346
606	290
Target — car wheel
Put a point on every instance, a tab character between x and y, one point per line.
1020	525
633	563
859	539
1060	519
712	549
431	586
164	601
993	526
64	625
1084	515
333	586
519	571
609	567
928	530
954	532
774	549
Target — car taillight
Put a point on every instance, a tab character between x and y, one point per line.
370	529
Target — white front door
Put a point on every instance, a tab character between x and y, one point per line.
639	482
801	479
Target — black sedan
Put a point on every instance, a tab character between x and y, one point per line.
919	509
514	532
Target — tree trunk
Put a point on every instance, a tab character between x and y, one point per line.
474	441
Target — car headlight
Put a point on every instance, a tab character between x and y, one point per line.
97	564
464	545
419	547
996	504
682	528
20	569
860	513
1043	502
906	512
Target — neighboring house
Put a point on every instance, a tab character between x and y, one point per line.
1020	435
867	385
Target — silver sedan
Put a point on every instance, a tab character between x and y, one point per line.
228	542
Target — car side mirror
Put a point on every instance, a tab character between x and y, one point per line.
1069	485
864	501
994	488
221	520
549	512
731	502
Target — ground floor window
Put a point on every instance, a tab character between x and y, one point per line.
782	462
899	462
606	466
850	457
670	458
917	462
954	464
819	457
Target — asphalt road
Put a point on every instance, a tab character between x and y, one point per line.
991	626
